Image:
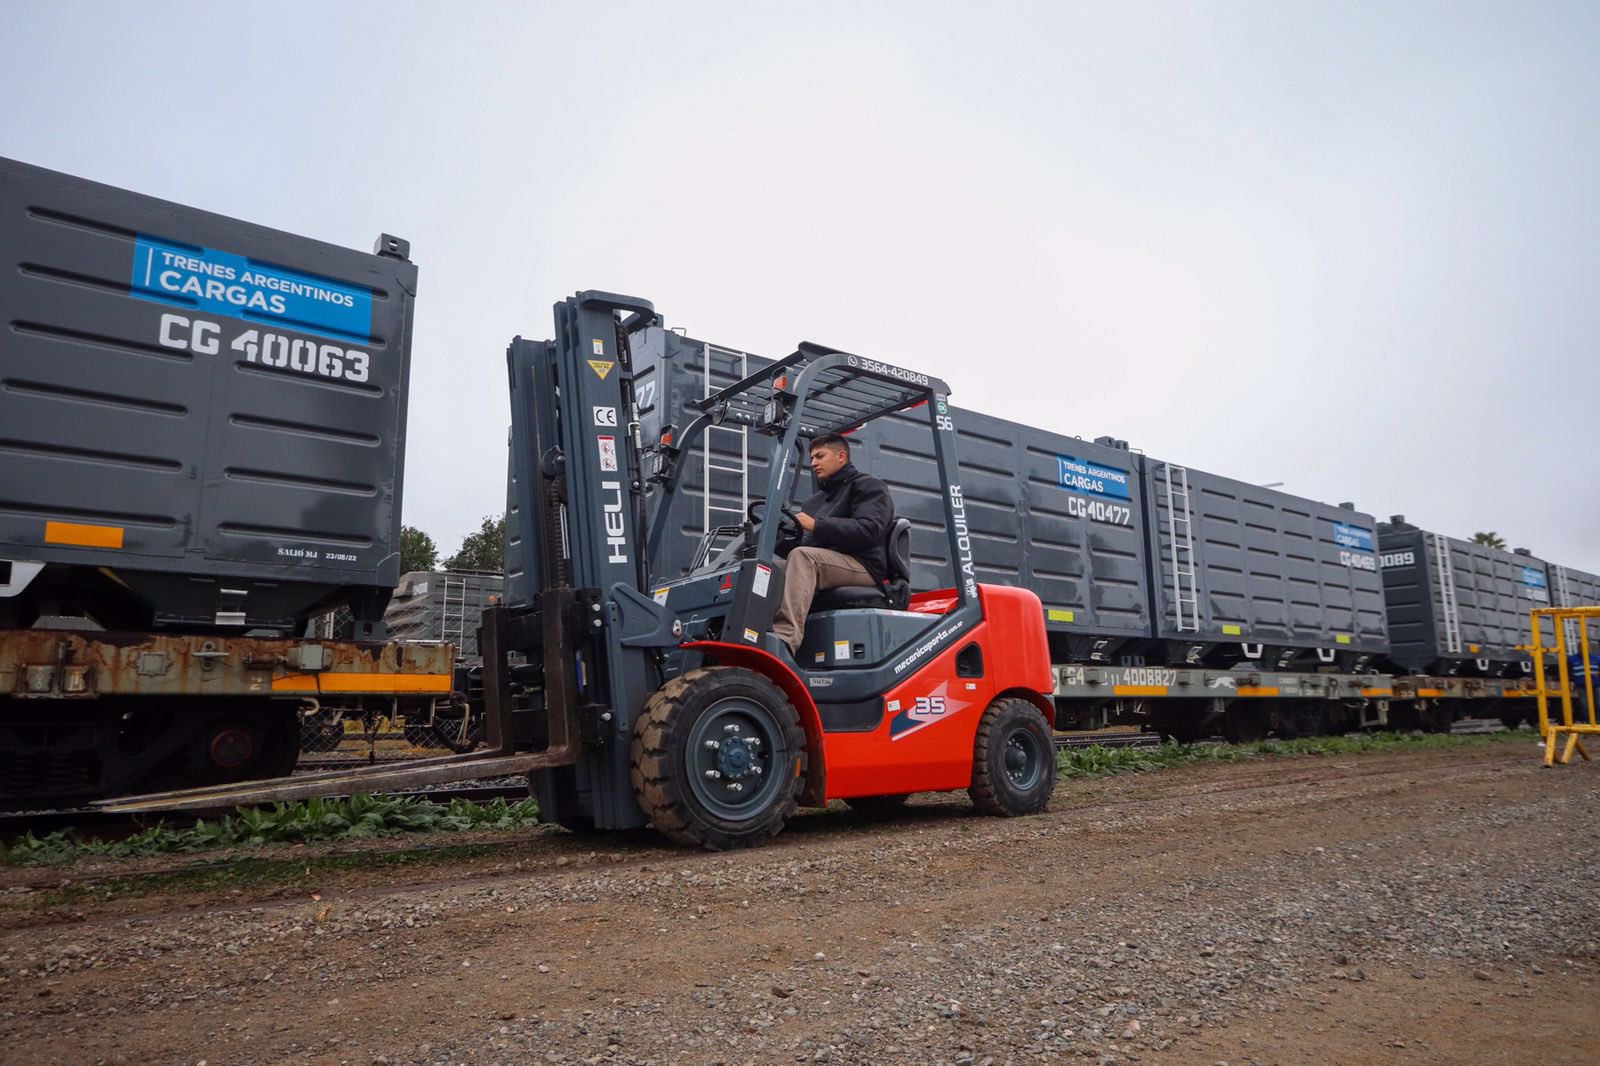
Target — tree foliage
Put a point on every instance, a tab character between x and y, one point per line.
1490	539
417	550
483	550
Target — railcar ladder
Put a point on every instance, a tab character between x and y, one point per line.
453	612
1446	573
1185	594
1564	599
712	383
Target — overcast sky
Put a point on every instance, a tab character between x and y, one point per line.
1350	247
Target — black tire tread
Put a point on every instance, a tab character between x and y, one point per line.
657	784
988	795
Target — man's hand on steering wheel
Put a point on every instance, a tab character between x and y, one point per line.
791	522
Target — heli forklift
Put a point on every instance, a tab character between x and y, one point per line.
635	698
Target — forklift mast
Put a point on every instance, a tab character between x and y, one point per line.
576	498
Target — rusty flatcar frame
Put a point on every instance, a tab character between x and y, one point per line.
500	758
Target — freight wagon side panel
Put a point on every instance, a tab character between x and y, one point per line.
1573	588
1454	604
1245	564
1058	515
1410	596
1495	591
729	465
186	396
1055	514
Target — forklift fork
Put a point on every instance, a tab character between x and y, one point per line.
500	758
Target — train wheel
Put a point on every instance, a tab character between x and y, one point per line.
244	744
456	727
878	806
1185	730
1313	719
321	731
1244	723
1013	760
717	758
1436	718
1294	720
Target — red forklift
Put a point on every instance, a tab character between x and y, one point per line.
634	698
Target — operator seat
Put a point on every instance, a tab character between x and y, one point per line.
894	593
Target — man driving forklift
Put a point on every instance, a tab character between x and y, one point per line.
843	530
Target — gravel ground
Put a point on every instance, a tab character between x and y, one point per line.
1408	907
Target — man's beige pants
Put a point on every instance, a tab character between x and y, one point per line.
807	571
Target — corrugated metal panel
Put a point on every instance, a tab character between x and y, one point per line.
1573	588
443	605
1268	567
1056	514
1492	590
186	394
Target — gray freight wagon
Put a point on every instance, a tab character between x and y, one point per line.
1058	515
444	606
1242	573
1456	607
201	420
1573	588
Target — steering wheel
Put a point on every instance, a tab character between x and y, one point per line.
787	522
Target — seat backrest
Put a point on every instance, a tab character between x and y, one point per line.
899	545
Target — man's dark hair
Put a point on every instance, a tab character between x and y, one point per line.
832	441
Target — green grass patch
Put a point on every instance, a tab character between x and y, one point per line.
1097	761
356	818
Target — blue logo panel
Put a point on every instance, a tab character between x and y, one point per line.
1092	479
221	283
1353	537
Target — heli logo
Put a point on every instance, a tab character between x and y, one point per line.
727	583
616	529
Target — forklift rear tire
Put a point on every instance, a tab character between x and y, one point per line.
717	758
1014	760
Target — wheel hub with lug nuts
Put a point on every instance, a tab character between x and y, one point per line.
736	757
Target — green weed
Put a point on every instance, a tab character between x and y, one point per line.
302	822
1097	761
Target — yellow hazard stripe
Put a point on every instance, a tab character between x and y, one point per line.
1519	692
352	682
83	536
1430	692
1254	690
1138	690
1377	692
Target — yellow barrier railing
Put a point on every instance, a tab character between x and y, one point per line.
1569	625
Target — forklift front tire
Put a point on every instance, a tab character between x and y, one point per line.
1014	760
716	758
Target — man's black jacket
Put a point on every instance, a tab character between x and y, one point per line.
853	513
